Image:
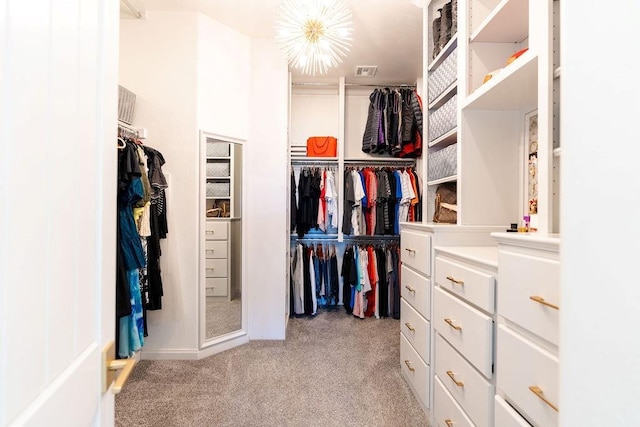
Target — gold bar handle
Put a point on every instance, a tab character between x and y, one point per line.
457	282
449	423
410	327
408	363
453	378
410	250
126	365
109	367
409	288
450	322
543	302
538	392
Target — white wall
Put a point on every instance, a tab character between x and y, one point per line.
266	196
600	349
158	61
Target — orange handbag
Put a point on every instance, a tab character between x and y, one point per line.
322	146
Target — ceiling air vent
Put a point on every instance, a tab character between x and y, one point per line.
366	70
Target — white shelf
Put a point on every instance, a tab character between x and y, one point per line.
445	139
218	198
443	180
219	177
557	152
295	160
219	158
446	50
513	88
507	23
444	96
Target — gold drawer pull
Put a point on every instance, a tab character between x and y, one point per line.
409	288
453	378
457	282
449	423
410	327
408	363
450	322
543	302
410	250
538	392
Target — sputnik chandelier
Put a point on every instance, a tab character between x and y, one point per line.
314	34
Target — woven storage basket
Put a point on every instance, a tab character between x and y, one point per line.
218	169
217	149
443	76
218	189
443	163
443	119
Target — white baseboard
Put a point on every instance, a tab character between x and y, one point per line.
171	354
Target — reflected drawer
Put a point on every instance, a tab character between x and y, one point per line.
216	287
215	248
506	416
416	290
415	370
522	277
416	250
469	330
523	364
416	329
447	412
473	285
470	389
216	230
216	268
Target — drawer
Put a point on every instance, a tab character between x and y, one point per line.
471	284
216	230
416	250
522	365
470	389
467	329
523	277
216	268
415	370
506	416
416	329
216	287
447	412
215	249
416	289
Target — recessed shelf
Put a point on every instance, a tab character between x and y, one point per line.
219	158
444	96
557	72
557	152
507	23
446	50
513	88
445	139
442	180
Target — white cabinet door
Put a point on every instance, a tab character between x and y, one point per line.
58	216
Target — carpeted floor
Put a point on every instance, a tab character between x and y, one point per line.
332	370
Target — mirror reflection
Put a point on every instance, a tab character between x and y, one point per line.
222	308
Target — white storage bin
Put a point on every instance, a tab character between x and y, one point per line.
443	163
443	119
218	189
218	169
443	76
217	149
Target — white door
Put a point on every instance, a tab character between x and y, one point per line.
58	98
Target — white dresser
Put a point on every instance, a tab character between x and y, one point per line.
528	330
216	249
464	325
417	243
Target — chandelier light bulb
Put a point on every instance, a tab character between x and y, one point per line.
314	34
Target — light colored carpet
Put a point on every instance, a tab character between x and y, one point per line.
223	316
332	370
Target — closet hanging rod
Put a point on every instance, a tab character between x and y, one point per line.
132	8
139	133
382	85
380	162
366	238
331	238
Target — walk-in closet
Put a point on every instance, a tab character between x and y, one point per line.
318	212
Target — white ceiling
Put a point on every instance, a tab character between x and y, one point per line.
387	33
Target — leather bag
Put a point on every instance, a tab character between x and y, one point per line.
446	208
322	146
